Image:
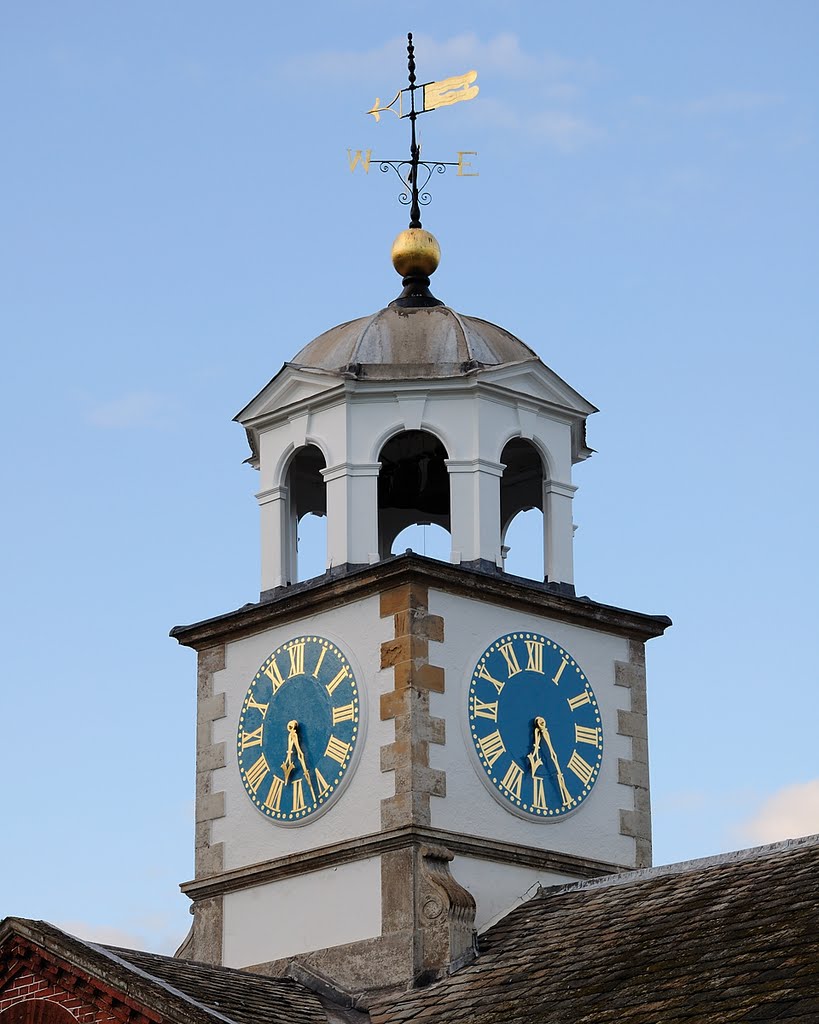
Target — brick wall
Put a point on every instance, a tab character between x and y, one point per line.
28	985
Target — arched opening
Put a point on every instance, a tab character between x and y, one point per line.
37	1011
307	498
521	501
413	486
425	539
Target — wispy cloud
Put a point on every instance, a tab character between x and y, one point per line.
561	129
790	812
501	55
135	409
531	94
155	932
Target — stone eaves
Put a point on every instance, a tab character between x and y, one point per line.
728	939
500	589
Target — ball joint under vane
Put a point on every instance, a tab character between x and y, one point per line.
415	256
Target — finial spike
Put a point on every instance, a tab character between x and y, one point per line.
411	60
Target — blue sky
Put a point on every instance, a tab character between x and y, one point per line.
178	219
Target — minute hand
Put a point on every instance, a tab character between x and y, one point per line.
544	732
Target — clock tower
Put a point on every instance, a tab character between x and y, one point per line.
390	754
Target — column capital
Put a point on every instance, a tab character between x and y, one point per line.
350	469
555	487
478	465
272	494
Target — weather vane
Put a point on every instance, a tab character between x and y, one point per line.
415	173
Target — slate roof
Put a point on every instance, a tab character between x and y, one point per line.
244	998
729	939
180	990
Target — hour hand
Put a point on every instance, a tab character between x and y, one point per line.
288	765
534	758
302	759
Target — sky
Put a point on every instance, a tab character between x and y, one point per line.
178	218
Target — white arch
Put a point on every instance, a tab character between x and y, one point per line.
544	453
400	428
291	451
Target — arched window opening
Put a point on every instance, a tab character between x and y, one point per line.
425	539
521	501
307	497
311	546
413	486
523	545
37	1011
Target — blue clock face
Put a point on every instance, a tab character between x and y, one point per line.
298	729
535	724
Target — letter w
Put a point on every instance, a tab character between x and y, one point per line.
356	158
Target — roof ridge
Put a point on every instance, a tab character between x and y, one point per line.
235	971
684	866
28	927
157	981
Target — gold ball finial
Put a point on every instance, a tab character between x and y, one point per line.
416	251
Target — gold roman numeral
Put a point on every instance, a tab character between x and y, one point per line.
273	674
485	710
337	749
538	796
582	769
252	739
346	713
579	700
509	656
298	795
251	703
492	746
321	782
274	794
318	663
334	683
584	735
256	772
513	780
559	673
483	674
296	652
534	648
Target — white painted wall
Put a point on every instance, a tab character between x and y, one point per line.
499	887
593	830
323	908
249	836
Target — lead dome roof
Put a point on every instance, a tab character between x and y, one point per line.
409	343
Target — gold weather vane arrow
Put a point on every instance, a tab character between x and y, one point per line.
434	95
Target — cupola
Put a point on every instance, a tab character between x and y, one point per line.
415	414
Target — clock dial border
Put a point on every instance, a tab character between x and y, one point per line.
493	781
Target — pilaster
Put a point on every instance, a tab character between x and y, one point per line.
634	772
204	941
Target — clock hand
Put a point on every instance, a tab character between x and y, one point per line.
540	725
287	764
534	759
292	727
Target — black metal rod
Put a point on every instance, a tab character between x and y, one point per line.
415	207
